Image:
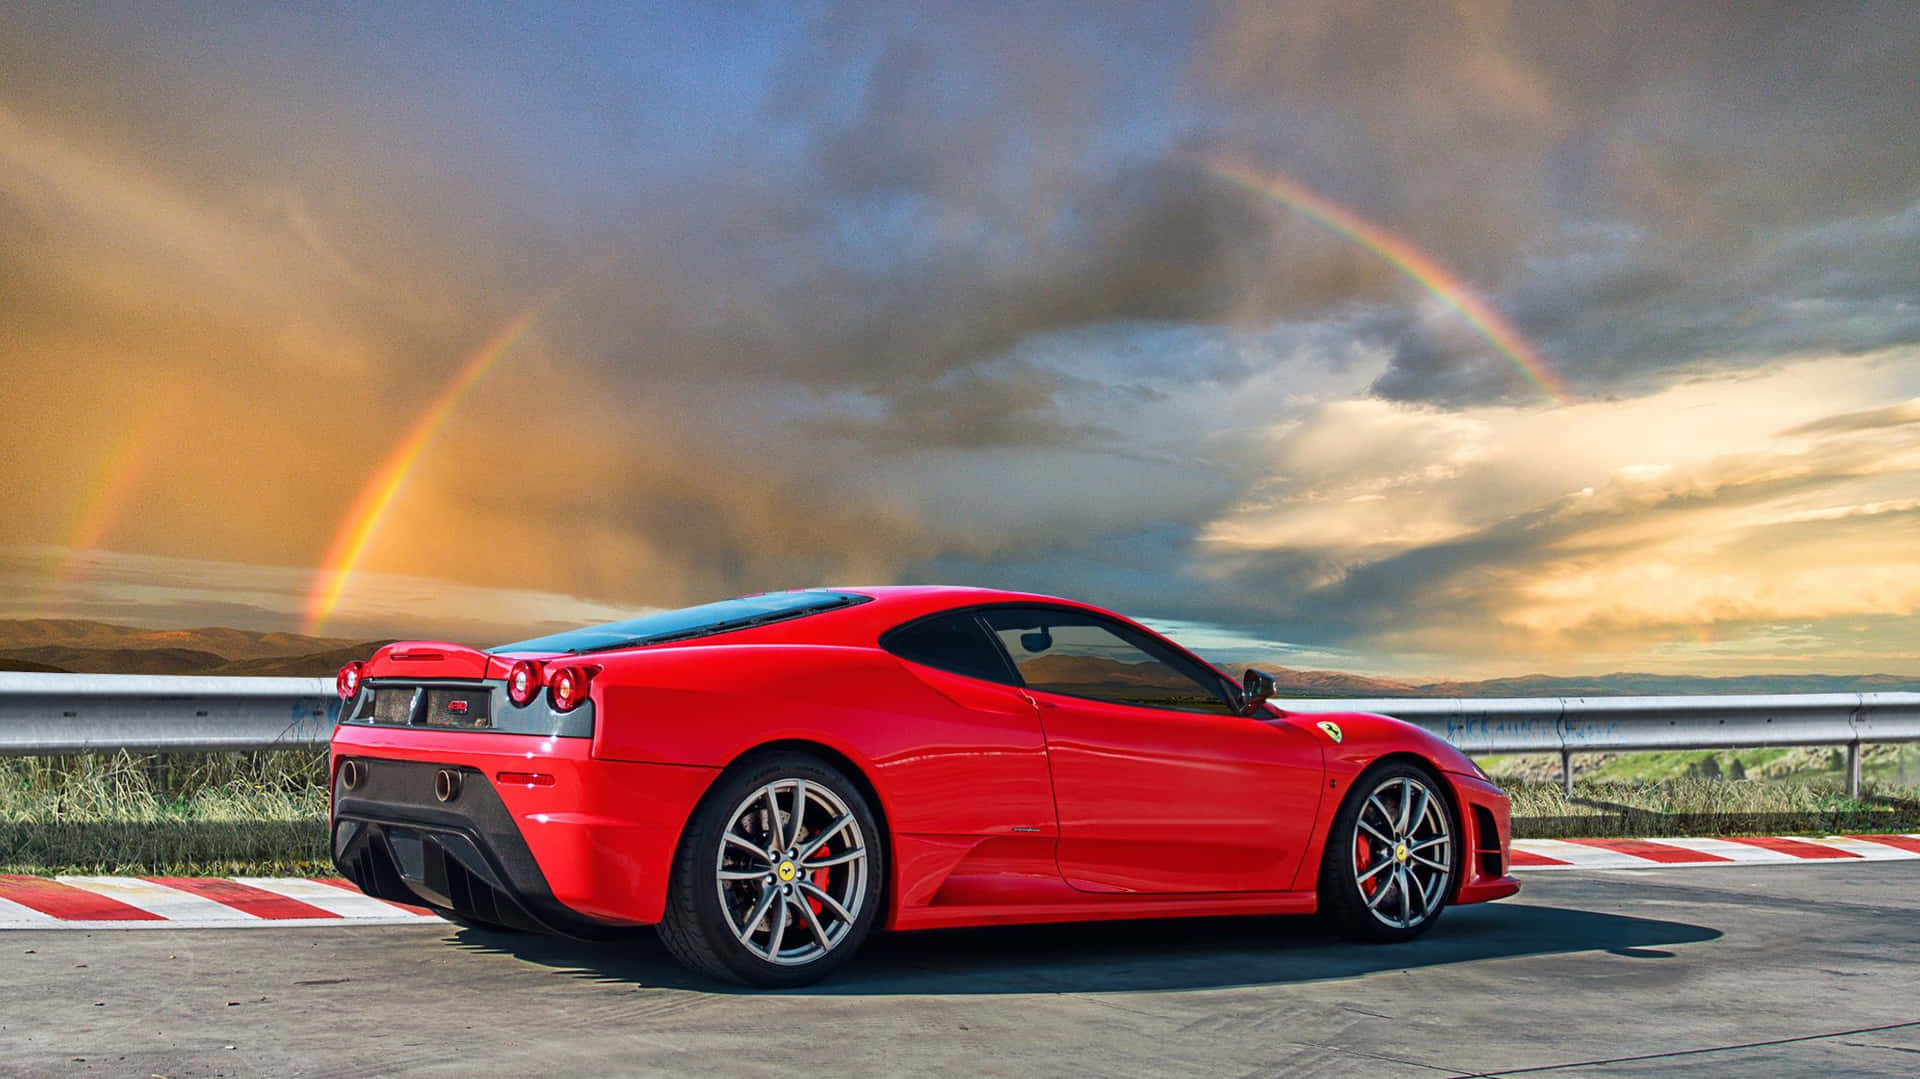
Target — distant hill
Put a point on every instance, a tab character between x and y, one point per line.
1294	683
1091	670
53	644
73	645
1087	672
317	665
229	644
1661	685
1626	684
118	660
30	667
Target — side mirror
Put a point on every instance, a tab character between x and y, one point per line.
1255	688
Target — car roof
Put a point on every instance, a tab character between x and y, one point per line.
902	601
892	605
887	606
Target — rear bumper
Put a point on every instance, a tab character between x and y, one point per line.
1486	818
590	850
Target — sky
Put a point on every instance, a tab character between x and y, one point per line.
1448	340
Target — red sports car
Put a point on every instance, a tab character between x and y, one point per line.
768	779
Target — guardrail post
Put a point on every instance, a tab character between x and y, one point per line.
1856	721
1566	772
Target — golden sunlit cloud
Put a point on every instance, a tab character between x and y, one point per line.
1721	502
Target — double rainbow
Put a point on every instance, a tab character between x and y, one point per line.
1424	269
363	520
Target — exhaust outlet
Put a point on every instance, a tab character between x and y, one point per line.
352	774
446	784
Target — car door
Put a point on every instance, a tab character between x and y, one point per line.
1159	786
994	776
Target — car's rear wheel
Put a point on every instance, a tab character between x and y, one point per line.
777	879
1391	858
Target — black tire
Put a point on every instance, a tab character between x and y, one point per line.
1345	901
699	933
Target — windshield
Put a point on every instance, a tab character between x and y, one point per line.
702	621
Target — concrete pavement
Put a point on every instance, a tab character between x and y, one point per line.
1787	970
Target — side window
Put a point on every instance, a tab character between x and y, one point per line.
1081	656
951	642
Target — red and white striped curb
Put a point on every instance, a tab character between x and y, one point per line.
192	902
1530	854
244	902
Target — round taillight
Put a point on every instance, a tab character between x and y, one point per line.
568	687
347	682
524	682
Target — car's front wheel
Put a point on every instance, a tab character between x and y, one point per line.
777	879
1389	864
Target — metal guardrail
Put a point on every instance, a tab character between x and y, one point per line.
1569	725
89	713
81	713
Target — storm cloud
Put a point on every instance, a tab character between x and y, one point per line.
957	291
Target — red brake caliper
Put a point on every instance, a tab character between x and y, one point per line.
1362	858
819	881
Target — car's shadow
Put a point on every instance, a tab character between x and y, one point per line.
1201	953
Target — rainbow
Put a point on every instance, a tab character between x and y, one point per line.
363	519
1425	270
109	489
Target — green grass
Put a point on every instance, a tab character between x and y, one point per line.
237	814
1892	765
216	814
1699	806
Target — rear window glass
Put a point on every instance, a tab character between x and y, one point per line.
953	642
688	622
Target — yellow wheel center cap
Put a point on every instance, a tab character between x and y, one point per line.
787	872
1400	853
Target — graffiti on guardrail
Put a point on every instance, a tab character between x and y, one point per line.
1591	732
1477	732
309	724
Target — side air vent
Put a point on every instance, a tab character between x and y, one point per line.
1487	843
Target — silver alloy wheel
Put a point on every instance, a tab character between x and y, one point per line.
1403	852
792	856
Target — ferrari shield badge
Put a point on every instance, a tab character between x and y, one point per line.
1329	728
